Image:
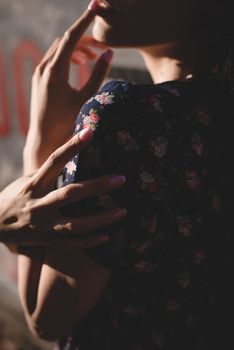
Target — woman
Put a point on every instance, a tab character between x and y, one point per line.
157	283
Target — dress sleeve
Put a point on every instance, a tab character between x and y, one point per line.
134	136
112	151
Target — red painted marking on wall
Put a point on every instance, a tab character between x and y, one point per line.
25	50
4	103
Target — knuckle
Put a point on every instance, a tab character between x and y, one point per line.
52	161
69	226
63	194
53	158
67	35
49	71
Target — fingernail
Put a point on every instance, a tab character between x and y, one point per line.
119	214
85	134
118	180
93	5
107	56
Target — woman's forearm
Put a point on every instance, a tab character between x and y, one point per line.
52	282
70	286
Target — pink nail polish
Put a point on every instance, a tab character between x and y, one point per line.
117	180
107	56
119	214
93	5
85	134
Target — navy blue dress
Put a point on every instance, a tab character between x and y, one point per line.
169	252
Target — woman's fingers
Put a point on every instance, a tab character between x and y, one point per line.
61	59
49	54
84	224
53	166
99	73
86	52
88	40
75	192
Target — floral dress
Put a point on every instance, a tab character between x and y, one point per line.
169	252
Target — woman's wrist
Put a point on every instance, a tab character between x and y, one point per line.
35	152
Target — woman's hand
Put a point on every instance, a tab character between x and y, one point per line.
30	211
55	104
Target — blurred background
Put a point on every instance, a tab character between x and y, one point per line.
27	29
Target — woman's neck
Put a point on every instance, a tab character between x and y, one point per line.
168	62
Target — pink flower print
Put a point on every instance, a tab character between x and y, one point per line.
144	247
153	187
86	119
157	106
203	117
103	199
70	167
184	226
94	117
151	226
77	128
140	266
172	305
91	120
149	183
192	180
123	137
199	257
105	98
184	280
159	146
198	147
85	126
132	310
143	266
126	140
158	339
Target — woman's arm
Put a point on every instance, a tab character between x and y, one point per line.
70	286
44	283
49	276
